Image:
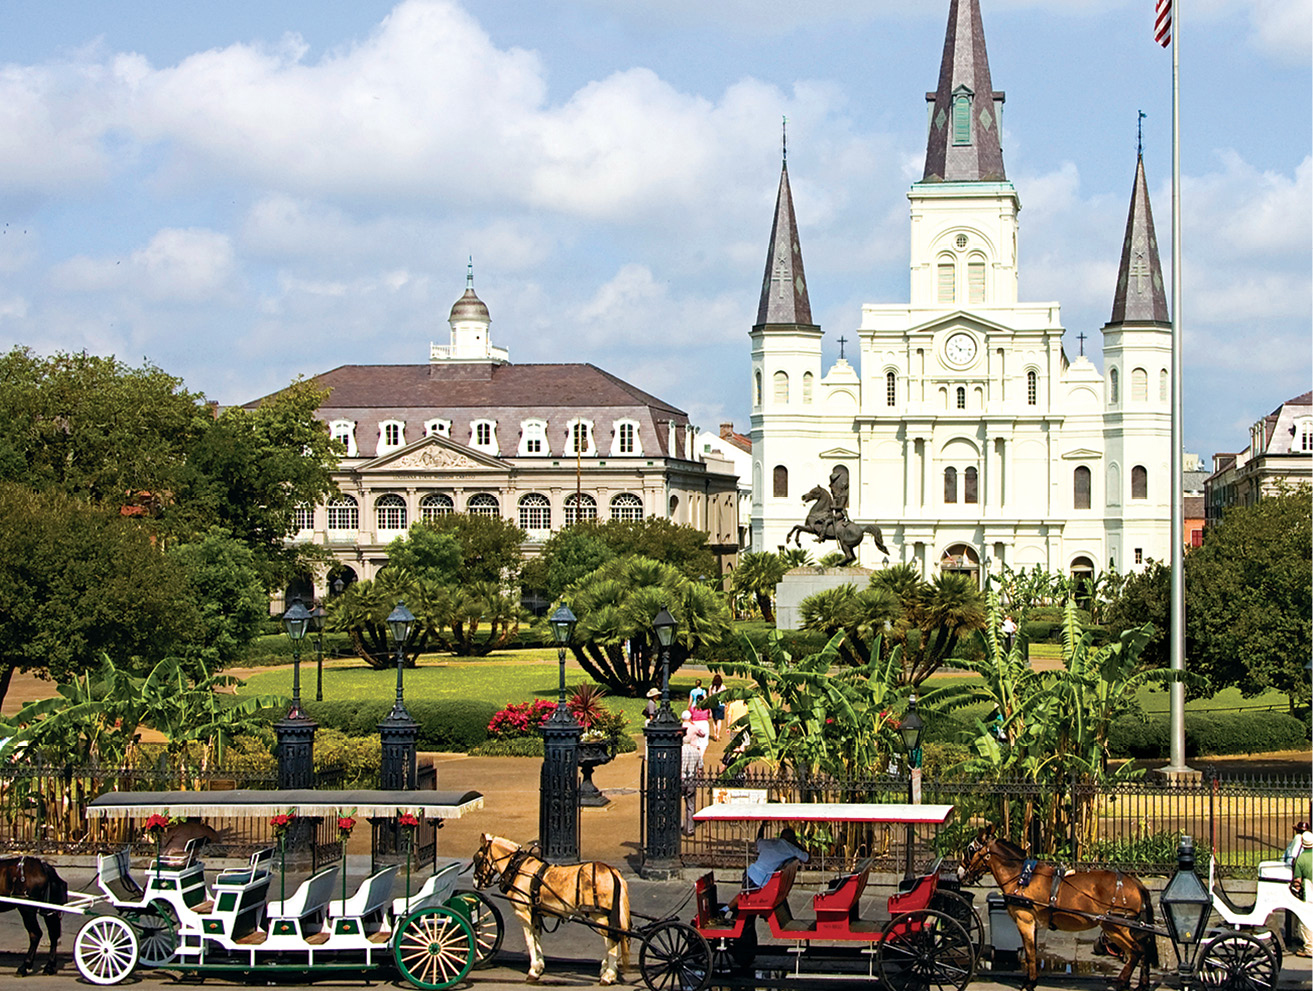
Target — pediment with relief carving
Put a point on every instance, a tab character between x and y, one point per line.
431	454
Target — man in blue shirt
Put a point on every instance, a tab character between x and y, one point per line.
772	854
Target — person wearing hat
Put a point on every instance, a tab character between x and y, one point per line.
650	709
1301	872
1296	843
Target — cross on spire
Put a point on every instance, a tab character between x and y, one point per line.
784	141
469	274
842	342
1139	271
1139	134
1081	337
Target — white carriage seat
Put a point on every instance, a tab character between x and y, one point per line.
181	861
237	910
434	892
257	868
303	914
114	877
363	911
1274	870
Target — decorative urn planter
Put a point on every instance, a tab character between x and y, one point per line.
592	754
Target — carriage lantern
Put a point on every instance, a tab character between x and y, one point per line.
1186	907
911	728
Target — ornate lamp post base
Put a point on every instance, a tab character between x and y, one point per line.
296	752
398	734
558	788
664	735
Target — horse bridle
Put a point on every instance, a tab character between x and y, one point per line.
485	871
971	871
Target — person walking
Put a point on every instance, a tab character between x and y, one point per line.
1009	631
690	768
717	707
1301	873
696	696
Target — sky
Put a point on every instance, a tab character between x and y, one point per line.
246	192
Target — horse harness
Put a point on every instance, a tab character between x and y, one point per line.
1023	879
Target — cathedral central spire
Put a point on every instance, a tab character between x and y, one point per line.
966	113
1140	295
784	297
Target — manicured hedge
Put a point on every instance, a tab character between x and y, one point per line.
532	746
1209	733
444	724
276	648
799	643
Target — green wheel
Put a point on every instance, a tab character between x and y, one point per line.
105	950
485	920
157	933
434	948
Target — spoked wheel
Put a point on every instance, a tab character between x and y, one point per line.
738	954
960	909
675	957
484	919
105	950
434	948
1236	961
925	951
157	930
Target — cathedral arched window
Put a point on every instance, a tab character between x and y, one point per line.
1032	388
890	389
1080	486
1162	385
390	512
756	389
970	488
962	119
780	482
976	279
1139	385
781	387
807	387
946	280
961	397
1139	482
1112	387
950	485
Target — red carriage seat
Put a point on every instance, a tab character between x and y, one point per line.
715	919
772	894
917	897
836	907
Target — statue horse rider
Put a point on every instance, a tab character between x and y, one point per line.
828	518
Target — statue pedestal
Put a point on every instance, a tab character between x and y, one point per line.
799	583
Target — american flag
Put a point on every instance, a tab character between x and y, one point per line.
1162	25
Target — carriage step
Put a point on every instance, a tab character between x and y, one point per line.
252	939
380	937
318	938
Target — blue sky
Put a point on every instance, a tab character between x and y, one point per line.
244	192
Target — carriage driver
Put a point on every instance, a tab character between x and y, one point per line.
772	854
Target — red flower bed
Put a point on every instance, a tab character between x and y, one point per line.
520	719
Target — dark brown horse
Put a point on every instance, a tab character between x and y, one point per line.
28	877
1040	894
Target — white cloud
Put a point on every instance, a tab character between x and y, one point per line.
185	265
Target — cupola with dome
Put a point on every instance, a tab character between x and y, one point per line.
470	325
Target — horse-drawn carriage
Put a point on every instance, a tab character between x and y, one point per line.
174	920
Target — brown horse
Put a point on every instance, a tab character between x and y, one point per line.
28	877
824	525
535	888
1069	901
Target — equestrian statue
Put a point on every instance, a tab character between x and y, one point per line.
828	518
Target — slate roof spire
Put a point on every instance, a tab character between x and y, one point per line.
965	119
784	297
1140	296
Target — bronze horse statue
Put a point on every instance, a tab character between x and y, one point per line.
28	877
1039	894
824	523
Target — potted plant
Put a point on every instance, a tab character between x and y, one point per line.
601	727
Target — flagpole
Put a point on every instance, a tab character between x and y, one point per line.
1177	767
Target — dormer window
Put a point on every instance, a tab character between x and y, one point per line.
626	439
483	436
344	432
437	428
579	434
391	435
1305	432
533	438
962	116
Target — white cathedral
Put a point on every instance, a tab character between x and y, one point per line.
970	437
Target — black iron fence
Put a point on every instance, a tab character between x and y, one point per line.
1131	826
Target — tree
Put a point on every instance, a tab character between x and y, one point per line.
615	605
361	612
428	554
77	581
223	580
489	546
1248	598
863	616
757	574
1145	597
567	556
656	538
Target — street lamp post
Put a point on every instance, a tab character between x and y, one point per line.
911	729
295	732
398	732
317	615
664	735
558	786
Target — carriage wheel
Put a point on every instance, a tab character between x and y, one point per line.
105	950
1236	961
959	909
674	957
738	954
485	920
925	951
157	930
434	948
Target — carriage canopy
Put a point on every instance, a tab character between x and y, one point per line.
307	803
875	812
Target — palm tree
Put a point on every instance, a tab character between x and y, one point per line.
863	616
757	574
796	557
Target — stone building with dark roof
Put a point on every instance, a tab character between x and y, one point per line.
540	445
1280	453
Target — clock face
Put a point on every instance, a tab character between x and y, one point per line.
960	349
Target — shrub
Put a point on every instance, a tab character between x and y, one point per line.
358	757
532	746
1037	630
520	719
444	724
1208	733
276	648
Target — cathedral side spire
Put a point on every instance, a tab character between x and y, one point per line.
1140	296
965	113
784	297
